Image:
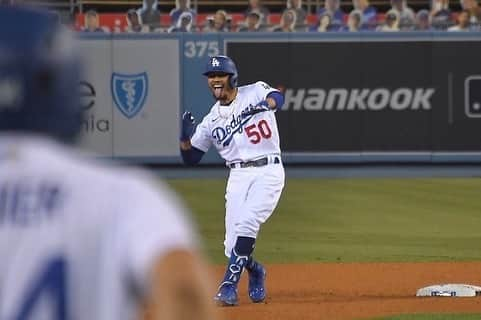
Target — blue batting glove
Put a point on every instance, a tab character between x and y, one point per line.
187	128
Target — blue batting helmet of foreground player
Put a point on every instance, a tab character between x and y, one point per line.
39	75
222	64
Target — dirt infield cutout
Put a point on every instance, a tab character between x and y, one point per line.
355	290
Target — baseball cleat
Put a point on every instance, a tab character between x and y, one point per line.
226	295
257	277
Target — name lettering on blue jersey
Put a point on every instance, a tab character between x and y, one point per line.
225	134
24	204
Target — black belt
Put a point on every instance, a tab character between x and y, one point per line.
254	163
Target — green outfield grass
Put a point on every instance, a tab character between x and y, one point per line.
332	220
434	317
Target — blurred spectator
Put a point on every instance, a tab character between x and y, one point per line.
150	15
180	7
184	23
220	22
117	26
354	22
333	8
6	2
391	22
92	23
325	23
422	22
288	22
256	5
440	14
301	13
474	11
369	13
134	23
208	24
463	22
253	22
406	14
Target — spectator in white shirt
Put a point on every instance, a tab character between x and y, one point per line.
463	22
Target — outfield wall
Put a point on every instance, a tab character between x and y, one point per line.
355	98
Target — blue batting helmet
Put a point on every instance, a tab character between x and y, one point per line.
222	64
39	75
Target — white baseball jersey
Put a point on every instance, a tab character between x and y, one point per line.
77	240
237	138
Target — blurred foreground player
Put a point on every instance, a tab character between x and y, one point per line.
78	240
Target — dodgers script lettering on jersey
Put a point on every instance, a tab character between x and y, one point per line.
238	137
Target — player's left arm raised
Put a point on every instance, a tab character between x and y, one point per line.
273	97
274	100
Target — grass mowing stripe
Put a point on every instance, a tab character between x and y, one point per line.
353	219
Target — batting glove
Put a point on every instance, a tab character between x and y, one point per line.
260	107
187	129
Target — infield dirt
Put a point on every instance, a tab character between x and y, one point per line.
354	290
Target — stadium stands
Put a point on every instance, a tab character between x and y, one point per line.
112	13
207	6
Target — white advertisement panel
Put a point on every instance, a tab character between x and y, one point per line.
131	93
145	89
97	128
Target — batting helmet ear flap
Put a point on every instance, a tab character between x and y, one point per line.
233	80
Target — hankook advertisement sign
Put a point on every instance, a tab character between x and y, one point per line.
370	96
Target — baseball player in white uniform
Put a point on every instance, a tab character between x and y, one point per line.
242	126
78	240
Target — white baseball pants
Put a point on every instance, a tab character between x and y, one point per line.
251	196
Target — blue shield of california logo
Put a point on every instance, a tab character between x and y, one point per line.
129	92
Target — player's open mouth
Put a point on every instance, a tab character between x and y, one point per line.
217	90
